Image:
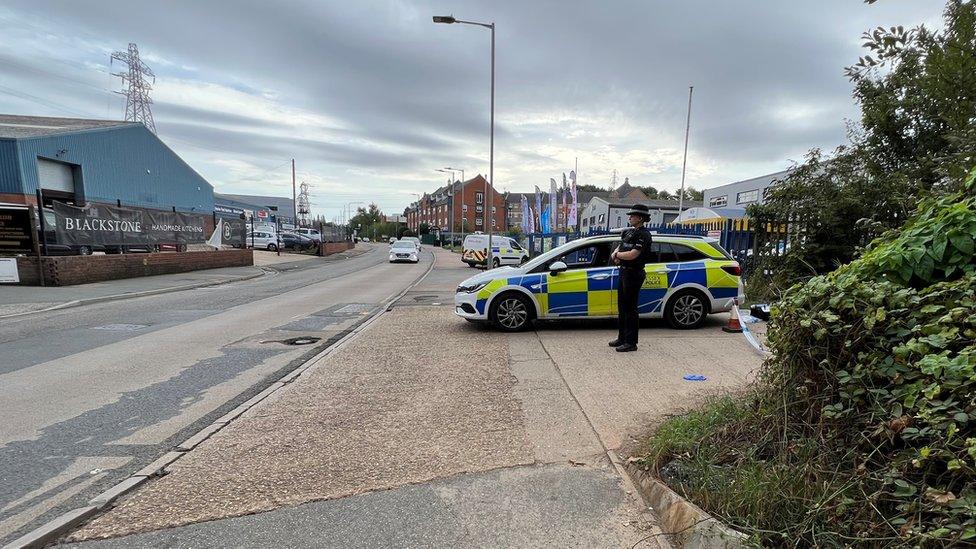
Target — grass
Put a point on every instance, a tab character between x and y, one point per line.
729	459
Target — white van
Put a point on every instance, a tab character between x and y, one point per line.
504	251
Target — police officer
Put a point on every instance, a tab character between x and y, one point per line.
631	255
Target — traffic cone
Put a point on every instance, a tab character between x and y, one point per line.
734	326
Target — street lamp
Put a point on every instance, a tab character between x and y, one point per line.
453	171
490	202
462	200
345	212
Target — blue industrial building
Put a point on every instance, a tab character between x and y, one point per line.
77	161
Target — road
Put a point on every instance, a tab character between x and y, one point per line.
92	394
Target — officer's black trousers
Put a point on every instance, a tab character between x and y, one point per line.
631	280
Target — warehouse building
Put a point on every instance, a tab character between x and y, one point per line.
77	161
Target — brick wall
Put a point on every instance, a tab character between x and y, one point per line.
329	248
82	269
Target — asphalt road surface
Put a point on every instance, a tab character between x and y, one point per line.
92	394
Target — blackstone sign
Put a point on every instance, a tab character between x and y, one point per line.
104	225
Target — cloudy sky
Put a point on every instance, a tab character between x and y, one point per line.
370	96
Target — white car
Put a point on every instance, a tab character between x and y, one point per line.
404	250
504	251
262	240
310	233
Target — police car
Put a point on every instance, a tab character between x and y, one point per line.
688	277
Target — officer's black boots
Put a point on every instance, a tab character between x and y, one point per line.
626	348
616	343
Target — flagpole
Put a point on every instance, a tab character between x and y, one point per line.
684	163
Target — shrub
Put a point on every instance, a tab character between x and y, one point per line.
869	398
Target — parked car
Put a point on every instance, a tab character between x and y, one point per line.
687	279
262	240
292	241
505	251
310	233
392	240
404	250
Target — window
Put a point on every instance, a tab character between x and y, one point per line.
479	208
592	219
479	198
478	221
464	207
601	218
492	209
586	257
718	201
685	253
747	196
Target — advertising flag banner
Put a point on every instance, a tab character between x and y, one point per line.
563	209
573	208
538	210
544	219
551	226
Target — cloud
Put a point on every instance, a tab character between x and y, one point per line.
370	97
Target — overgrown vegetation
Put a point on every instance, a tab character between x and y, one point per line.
915	138
861	428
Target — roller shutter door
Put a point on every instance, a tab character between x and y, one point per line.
55	176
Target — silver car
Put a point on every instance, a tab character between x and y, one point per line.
404	250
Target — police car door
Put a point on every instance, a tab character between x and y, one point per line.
585	288
654	291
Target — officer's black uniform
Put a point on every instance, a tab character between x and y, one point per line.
631	279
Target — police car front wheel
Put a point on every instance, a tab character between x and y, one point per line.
510	312
686	310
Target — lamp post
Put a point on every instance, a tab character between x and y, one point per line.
345	212
454	171
489	198
462	201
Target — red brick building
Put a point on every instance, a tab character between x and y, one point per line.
469	202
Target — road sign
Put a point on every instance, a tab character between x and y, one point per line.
262	214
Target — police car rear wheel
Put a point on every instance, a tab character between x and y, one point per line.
685	310
510	313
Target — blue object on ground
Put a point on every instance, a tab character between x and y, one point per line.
694	377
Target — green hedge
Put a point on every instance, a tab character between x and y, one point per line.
869	398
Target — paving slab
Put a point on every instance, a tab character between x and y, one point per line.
539	506
626	394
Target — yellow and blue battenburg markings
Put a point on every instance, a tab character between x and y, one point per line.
592	292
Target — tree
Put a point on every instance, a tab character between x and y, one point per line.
423	228
590	188
651	192
916	90
665	195
515	231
